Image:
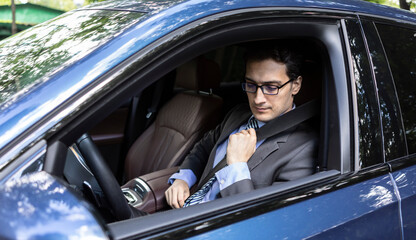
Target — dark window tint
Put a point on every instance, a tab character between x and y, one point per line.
393	134
368	111
400	47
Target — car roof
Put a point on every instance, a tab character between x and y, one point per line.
161	18
358	6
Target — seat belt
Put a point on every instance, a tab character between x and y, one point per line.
286	121
157	95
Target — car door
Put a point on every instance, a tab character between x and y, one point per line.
354	196
398	41
363	204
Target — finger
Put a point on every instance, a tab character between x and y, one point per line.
168	195
251	131
185	195
236	134
181	199
174	201
245	131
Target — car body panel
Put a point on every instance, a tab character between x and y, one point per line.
36	104
44	208
352	212
405	180
134	5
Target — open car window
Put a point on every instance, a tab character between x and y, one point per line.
110	118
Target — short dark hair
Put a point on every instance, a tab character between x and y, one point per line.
279	51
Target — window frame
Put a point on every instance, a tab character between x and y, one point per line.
184	51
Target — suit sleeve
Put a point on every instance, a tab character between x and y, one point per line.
197	159
300	163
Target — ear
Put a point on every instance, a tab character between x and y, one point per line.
297	84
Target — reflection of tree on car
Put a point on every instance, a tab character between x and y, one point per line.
43	51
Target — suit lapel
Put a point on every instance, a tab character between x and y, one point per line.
233	123
269	146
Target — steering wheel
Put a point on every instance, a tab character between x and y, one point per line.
105	178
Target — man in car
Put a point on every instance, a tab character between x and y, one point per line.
272	80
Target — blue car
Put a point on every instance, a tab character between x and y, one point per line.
99	106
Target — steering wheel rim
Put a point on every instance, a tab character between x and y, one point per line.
105	178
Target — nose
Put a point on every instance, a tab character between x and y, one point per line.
259	96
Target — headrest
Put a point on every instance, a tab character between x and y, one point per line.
199	74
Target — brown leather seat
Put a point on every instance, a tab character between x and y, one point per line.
180	123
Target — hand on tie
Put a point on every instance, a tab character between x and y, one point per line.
241	146
177	193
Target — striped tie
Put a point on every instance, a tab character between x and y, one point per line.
252	123
200	194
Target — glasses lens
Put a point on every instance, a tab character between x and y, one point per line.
248	87
270	89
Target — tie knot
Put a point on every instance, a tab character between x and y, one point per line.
252	123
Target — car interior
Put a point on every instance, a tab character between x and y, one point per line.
177	110
145	140
133	133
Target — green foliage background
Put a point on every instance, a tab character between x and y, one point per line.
395	3
65	5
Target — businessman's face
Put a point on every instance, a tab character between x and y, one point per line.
269	72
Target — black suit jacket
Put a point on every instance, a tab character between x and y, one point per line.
287	156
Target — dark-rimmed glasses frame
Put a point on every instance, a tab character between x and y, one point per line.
266	89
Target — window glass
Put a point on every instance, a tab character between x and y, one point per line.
393	134
400	47
44	49
370	149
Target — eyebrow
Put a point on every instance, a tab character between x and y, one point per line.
269	82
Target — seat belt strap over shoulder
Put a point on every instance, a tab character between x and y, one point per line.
157	95
286	121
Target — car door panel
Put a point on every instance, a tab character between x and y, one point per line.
367	210
392	48
405	179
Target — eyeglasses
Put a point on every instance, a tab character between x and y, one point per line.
266	89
